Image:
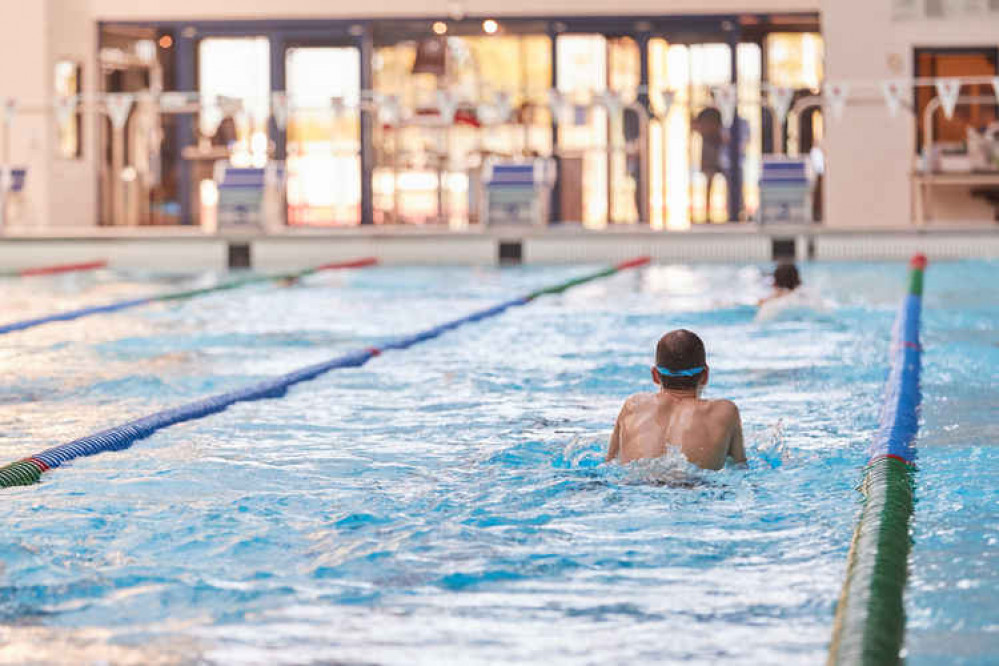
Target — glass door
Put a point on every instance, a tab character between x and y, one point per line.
583	134
323	135
691	165
235	69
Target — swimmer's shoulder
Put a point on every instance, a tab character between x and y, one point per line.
638	401
724	409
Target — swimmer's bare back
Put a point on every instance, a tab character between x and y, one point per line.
707	431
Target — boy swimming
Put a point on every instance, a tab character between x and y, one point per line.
786	280
707	432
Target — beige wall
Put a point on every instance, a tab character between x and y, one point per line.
870	154
23	76
73	36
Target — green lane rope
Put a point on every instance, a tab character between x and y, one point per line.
175	296
869	627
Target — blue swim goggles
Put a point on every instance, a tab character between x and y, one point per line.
689	372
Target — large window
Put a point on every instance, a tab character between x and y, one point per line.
238	69
583	132
324	135
948	62
427	165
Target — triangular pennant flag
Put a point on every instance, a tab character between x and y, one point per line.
504	108
667	97
836	95
388	110
557	104
64	108
279	109
9	110
725	97
894	91
338	104
229	106
995	87
948	90
780	98
609	100
446	106
487	114
612	101
118	106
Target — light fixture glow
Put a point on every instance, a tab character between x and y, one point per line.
440	28
166	41
490	27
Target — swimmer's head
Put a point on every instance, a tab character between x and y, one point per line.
680	361
786	277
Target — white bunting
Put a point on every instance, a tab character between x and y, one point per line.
610	100
894	91
388	110
503	105
780	98
948	90
995	87
279	109
9	111
836	95
667	97
338	104
557	104
64	108
229	106
446	106
118	106
725	98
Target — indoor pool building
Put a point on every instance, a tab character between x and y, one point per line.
144	118
474	333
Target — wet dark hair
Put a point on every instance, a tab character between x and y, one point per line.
786	277
681	350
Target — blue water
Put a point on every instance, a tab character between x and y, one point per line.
447	504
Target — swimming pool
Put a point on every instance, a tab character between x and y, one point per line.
446	504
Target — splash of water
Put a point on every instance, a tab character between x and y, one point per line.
670	469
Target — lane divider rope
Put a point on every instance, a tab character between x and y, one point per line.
56	269
29	470
70	315
869	625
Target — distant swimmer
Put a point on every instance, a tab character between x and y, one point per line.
786	281
707	432
790	299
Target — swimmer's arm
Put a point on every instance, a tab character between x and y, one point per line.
615	440
736	447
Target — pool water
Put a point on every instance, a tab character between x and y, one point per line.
447	504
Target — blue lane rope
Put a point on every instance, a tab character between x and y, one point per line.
70	315
123	436
899	422
80	313
869	625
